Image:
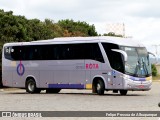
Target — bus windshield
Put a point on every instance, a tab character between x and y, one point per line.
138	63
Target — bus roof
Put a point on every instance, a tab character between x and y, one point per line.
67	40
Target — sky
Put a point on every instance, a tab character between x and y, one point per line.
140	17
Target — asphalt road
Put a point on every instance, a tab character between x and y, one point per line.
81	100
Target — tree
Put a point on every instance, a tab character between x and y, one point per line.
53	28
154	70
112	34
72	28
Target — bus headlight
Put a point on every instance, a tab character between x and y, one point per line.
126	77
127	80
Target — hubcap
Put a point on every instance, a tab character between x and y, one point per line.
98	86
31	86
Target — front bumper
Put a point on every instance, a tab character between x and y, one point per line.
137	85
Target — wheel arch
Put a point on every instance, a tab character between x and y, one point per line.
31	77
94	81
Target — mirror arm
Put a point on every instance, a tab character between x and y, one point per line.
154	56
122	52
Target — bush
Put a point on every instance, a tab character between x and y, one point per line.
154	70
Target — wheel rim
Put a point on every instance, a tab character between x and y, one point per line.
31	86
98	86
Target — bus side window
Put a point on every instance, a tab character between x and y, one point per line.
45	52
78	51
115	59
70	52
17	53
55	52
92	51
7	52
97	55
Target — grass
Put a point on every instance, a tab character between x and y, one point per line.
156	77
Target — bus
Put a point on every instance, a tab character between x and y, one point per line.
96	63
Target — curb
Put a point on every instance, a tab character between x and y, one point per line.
7	89
1	90
155	80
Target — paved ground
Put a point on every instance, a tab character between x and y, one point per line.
81	100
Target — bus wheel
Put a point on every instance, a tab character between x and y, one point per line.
31	87
100	87
53	90
123	92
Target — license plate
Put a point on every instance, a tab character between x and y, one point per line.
141	86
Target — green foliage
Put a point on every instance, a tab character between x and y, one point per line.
72	28
154	70
53	28
19	29
112	34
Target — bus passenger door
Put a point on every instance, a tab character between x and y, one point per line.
117	82
109	79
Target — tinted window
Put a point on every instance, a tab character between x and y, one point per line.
7	52
54	52
71	51
115	58
92	51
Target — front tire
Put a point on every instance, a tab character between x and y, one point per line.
100	87
31	87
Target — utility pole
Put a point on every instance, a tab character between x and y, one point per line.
123	30
156	49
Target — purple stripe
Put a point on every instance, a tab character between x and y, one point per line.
137	79
67	86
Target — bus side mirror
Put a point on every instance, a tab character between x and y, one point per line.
122	52
150	53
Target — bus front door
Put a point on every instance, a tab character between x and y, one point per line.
116	80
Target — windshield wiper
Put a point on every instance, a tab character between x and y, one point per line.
136	69
139	66
145	67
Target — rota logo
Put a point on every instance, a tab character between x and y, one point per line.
92	66
20	69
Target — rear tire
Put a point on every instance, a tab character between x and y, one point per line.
100	87
53	90
31	86
123	92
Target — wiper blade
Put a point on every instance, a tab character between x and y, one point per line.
136	69
145	67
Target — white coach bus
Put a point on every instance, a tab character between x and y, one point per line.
96	63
